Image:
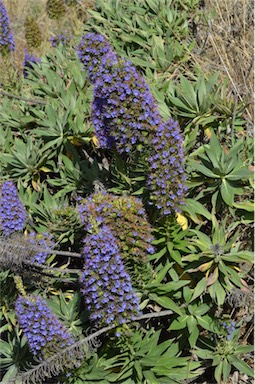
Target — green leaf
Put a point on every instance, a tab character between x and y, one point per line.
202	169
166	302
150	377
138	369
189	94
215	151
199	289
239	174
179	323
245	205
196	207
162	273
206	322
203	240
217	291
193	336
218	373
227	193
226	369
175	255
241	366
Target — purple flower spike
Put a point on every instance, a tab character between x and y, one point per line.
166	163
105	283
6	36
12	212
44	331
124	112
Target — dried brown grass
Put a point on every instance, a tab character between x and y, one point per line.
227	41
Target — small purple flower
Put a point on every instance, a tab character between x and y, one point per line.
28	60
6	36
44	331
61	38
230	327
12	212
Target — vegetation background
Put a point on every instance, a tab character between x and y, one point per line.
197	58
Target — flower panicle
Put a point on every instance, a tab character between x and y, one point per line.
12	212
7	43
44	331
166	179
106	285
124	112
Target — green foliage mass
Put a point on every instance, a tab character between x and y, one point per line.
201	268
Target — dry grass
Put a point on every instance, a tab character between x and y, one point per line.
226	42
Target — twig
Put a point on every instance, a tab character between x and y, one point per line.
39	249
32	101
53	269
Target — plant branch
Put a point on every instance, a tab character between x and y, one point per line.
32	101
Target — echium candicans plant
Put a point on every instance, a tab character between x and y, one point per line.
12	212
126	217
124	112
105	284
45	333
7	44
166	178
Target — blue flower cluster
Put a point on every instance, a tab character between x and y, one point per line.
6	36
41	241
44	331
124	111
105	283
28	59
60	39
230	328
166	164
12	212
94	52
